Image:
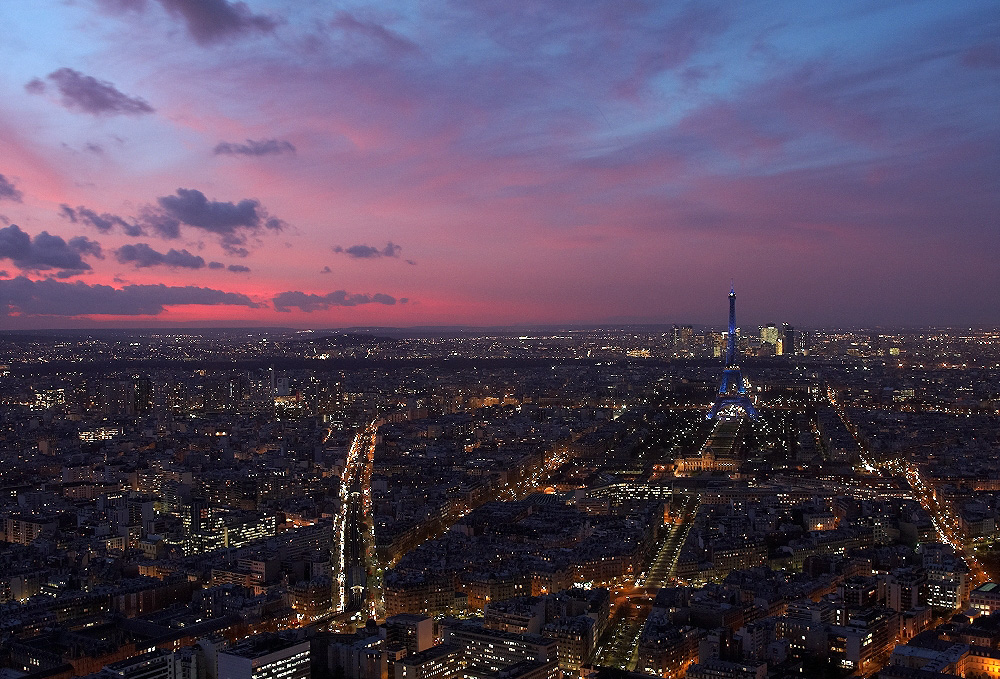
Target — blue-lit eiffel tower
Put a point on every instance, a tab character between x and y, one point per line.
733	399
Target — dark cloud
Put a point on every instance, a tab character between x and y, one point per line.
35	86
193	208
231	221
326	269
90	95
359	251
211	21
369	251
123	5
208	21
216	265
45	251
263	147
310	302
183	258
49	297
4	274
141	255
104	222
85	246
8	191
238	268
161	223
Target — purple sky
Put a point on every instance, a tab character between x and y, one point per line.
323	164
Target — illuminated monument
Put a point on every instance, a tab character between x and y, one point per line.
733	400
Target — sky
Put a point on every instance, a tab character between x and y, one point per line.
313	163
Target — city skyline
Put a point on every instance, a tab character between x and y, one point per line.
512	505
278	164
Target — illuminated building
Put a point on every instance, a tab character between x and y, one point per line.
312	599
933	656
209	531
521	615
158	664
266	657
665	649
419	594
682	336
489	651
769	334
863	643
947	584
575	639
100	434
242	530
437	662
24	530
986	598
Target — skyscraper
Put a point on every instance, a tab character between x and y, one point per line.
794	341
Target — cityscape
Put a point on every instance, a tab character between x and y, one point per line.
502	339
576	502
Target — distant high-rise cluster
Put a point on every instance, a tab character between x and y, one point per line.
782	341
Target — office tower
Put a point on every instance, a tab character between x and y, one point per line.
794	342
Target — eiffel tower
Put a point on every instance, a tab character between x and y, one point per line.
733	400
